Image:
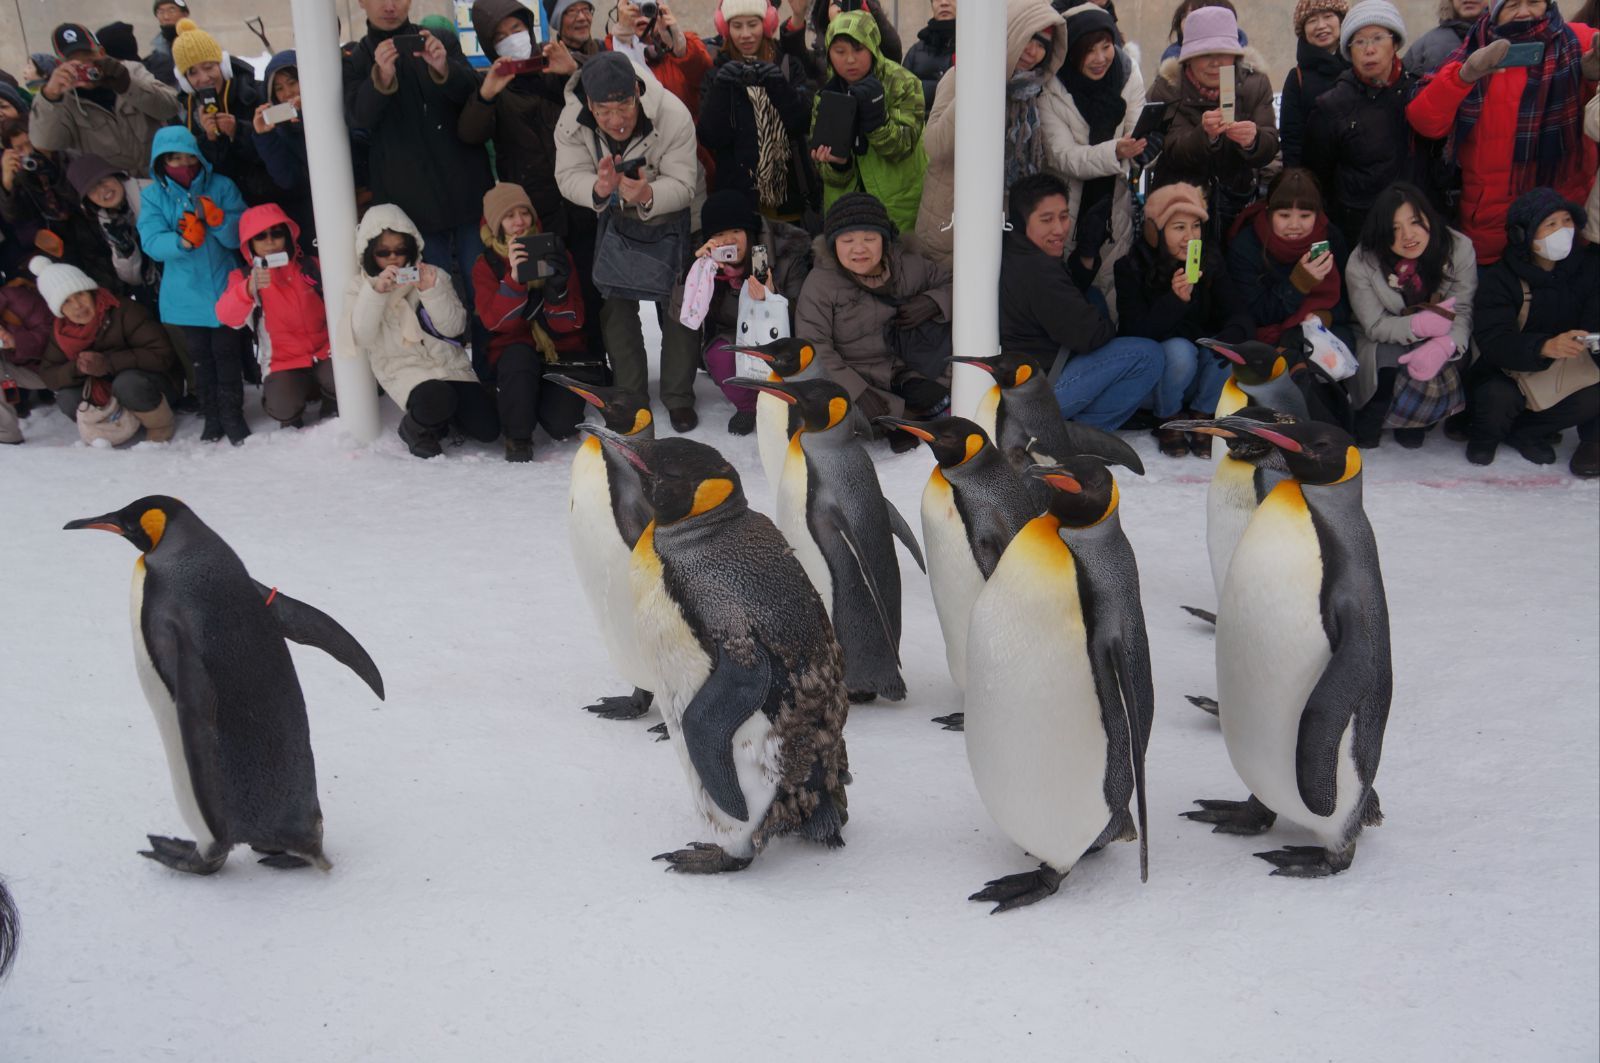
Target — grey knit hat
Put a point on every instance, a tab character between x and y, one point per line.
854	212
1378	13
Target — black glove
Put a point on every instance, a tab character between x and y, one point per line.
871	112
766	73
1094	228
917	310
731	73
555	283
923	397
872	405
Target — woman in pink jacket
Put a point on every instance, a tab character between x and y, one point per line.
279	295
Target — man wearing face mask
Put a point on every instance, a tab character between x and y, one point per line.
625	152
1537	314
93	104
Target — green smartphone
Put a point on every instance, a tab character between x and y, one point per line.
1523	53
1320	248
1191	267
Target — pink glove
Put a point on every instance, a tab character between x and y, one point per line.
1427	324
1425	360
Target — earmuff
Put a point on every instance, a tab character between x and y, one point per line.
769	21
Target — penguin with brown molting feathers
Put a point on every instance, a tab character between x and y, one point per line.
208	644
750	678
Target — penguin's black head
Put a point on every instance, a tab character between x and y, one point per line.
681	478
953	440
821	403
1253	362
1314	452
623	411
1010	370
786	356
1082	490
143	523
1241	445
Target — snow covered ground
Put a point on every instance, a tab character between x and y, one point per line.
493	897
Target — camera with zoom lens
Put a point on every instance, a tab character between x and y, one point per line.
29	162
649	10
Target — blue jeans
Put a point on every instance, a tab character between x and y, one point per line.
456	251
1102	388
1192	379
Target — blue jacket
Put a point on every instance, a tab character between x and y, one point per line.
194	279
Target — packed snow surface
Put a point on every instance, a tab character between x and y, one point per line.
493	896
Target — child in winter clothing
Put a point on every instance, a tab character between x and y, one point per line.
1157	301
103	347
401	327
25	324
282	147
110	200
283	303
532	324
189	221
886	159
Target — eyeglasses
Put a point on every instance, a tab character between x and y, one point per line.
388	252
277	232
1370	43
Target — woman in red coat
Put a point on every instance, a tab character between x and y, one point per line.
1511	128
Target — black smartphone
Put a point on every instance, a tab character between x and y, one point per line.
1150	118
208	101
836	122
630	168
539	246
409	43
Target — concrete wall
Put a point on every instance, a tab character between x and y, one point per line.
1144	21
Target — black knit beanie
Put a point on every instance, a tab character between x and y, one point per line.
729	209
855	211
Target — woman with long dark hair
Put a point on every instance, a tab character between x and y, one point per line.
1411	281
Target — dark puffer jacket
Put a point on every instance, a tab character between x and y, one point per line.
1429	51
233	157
1564	298
727	128
933	54
1146	305
130	337
1314	73
1358	142
416	160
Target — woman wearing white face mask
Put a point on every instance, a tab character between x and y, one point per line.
1538	316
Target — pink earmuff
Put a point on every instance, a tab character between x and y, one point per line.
769	23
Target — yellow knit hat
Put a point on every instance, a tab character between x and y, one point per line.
193	46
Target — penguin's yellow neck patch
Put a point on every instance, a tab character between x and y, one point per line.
154	523
1233	399
1278	368
592	445
974	444
1111	507
641	421
774	378
644	551
710	494
807	354
837	410
1352	465
1024	374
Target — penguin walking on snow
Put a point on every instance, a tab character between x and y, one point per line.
750	679
1023	419
1059	697
1303	667
832	510
791	361
606	513
972	507
208	643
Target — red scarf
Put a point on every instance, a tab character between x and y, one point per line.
1388	79
75	339
1281	252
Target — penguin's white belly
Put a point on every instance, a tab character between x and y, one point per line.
952	571
602	559
1271	651
1230	504
772	435
987	415
681	669
165	710
791	520
1034	738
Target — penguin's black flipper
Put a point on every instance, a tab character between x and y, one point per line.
902	531
731	694
1084	439
1203	614
1355	685
833	531
310	626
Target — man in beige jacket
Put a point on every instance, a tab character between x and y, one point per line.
95	105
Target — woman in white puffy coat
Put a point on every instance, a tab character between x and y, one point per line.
1104	95
406	330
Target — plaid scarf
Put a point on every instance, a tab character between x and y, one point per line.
1550	114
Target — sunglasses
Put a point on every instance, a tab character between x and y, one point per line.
277	232
388	252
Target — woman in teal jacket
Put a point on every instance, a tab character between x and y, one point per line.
189	222
886	159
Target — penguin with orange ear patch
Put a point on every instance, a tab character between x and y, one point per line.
208	644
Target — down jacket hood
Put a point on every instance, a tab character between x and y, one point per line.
257	220
174	139
283	60
860	27
376	220
487	16
1251	62
1024	18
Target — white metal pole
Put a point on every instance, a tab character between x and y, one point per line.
316	37
980	193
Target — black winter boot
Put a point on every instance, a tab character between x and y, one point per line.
423	441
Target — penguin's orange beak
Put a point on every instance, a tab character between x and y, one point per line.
981	363
1223	349
763	386
757	352
577	389
911	427
103	523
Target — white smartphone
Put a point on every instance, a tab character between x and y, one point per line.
279	113
1225	93
407	274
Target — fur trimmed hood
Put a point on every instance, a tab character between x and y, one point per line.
1252	61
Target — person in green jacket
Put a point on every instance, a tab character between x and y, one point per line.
886	159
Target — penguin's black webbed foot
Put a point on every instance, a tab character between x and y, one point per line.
181	855
862	697
1204	704
1016	891
1308	861
956	721
284	861
660	731
703	858
1202	614
1234	817
629	707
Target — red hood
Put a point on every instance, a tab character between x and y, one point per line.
257	220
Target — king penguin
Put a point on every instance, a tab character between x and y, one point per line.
831	508
208	644
1261	377
1022	418
606	513
973	505
1303	667
792	360
1059	696
751	681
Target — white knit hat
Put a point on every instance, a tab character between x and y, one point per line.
57	280
732	9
